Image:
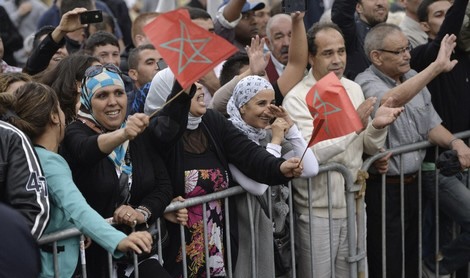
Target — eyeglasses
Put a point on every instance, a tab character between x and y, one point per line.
97	69
398	52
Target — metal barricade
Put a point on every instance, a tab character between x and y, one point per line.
399	151
356	254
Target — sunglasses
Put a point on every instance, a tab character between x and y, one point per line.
93	71
97	69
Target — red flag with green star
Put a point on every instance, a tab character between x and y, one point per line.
189	50
328	101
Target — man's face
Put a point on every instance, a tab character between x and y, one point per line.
394	65
331	54
373	11
246	28
261	18
279	41
147	67
107	54
436	13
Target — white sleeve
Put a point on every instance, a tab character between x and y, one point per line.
224	22
250	185
274	149
310	163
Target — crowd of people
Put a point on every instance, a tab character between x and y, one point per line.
95	128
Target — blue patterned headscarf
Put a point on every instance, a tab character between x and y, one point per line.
89	88
245	90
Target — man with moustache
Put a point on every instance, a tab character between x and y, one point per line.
327	53
278	35
390	76
355	28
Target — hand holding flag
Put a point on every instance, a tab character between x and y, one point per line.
328	100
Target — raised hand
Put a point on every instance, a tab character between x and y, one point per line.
448	44
70	21
280	112
386	114
258	59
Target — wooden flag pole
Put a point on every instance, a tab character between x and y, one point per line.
167	102
315	133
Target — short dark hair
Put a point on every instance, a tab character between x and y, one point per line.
232	67
133	59
313	31
100	38
422	11
198	13
63	80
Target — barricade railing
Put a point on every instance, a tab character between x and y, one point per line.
399	151
356	223
355	254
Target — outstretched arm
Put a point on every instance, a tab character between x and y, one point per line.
407	90
298	55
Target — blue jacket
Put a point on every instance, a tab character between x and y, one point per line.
69	209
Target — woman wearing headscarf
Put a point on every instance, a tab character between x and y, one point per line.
115	162
39	116
252	111
198	165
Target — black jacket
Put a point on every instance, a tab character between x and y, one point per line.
22	182
450	91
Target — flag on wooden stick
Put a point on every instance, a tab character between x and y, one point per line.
189	50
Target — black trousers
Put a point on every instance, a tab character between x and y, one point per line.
373	199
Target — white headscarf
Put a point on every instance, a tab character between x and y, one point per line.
160	89
245	90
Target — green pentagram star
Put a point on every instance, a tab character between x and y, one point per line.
196	57
328	108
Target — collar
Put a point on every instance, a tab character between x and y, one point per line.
389	81
278	65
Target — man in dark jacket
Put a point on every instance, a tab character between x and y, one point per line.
355	19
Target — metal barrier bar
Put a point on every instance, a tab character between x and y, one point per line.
399	151
354	253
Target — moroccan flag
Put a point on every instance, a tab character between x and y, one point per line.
189	50
327	100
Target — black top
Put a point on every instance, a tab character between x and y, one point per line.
450	91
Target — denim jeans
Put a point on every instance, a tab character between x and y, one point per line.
454	201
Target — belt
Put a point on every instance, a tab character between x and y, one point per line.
407	178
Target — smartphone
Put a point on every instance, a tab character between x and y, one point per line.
290	6
93	16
